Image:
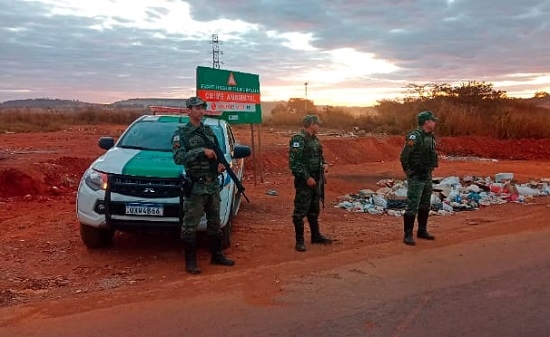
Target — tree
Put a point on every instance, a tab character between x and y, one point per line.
471	92
300	105
541	94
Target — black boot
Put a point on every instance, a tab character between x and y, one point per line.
422	232
190	249
408	227
316	237
217	254
299	231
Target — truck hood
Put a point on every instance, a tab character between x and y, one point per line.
141	163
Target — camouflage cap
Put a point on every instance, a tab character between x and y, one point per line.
195	101
311	119
426	116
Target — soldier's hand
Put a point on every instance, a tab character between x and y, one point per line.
325	168
311	182
221	168
210	154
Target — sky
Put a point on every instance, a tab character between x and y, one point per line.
349	52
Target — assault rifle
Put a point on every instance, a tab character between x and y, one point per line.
321	185
221	159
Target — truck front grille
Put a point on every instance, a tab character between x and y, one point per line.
144	187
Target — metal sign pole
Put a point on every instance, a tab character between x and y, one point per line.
254	154
261	161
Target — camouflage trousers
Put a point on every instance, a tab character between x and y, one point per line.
306	201
419	194
194	207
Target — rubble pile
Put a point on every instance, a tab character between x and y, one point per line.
450	194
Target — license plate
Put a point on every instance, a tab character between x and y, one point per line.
144	209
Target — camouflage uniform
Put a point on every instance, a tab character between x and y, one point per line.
418	160
188	150
306	160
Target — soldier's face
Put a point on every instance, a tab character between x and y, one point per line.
314	128
429	126
196	112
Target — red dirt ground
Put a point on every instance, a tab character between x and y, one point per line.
43	262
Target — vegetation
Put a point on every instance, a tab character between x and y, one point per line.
46	120
471	108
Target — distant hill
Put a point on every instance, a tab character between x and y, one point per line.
145	102
129	103
267	106
44	103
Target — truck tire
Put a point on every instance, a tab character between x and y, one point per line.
94	237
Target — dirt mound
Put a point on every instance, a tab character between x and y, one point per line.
51	177
43	171
516	149
14	183
359	150
337	150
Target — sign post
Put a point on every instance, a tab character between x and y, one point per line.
236	95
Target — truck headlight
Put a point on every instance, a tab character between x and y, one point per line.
95	180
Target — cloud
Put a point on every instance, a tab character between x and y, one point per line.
348	51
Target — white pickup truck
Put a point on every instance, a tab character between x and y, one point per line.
136	185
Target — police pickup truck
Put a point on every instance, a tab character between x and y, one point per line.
135	184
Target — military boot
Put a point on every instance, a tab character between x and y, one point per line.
408	227
217	254
190	249
316	236
299	230
422	232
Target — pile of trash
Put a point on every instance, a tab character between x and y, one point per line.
450	194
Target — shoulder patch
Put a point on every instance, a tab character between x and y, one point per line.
412	136
176	138
296	144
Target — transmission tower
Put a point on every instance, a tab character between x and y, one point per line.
216	52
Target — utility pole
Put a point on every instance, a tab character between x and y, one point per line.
305	101
215	52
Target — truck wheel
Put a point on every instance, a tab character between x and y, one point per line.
94	237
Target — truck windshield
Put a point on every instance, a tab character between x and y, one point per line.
155	136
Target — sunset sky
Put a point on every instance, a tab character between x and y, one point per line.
350	52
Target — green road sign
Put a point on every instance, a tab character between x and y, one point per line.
234	93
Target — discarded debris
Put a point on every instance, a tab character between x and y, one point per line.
450	194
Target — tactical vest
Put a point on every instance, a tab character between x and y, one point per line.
190	139
312	154
423	157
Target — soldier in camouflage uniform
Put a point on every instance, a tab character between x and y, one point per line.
306	162
418	160
203	168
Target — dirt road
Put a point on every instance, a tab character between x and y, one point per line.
45	270
481	287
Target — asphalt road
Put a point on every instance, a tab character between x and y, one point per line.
490	287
